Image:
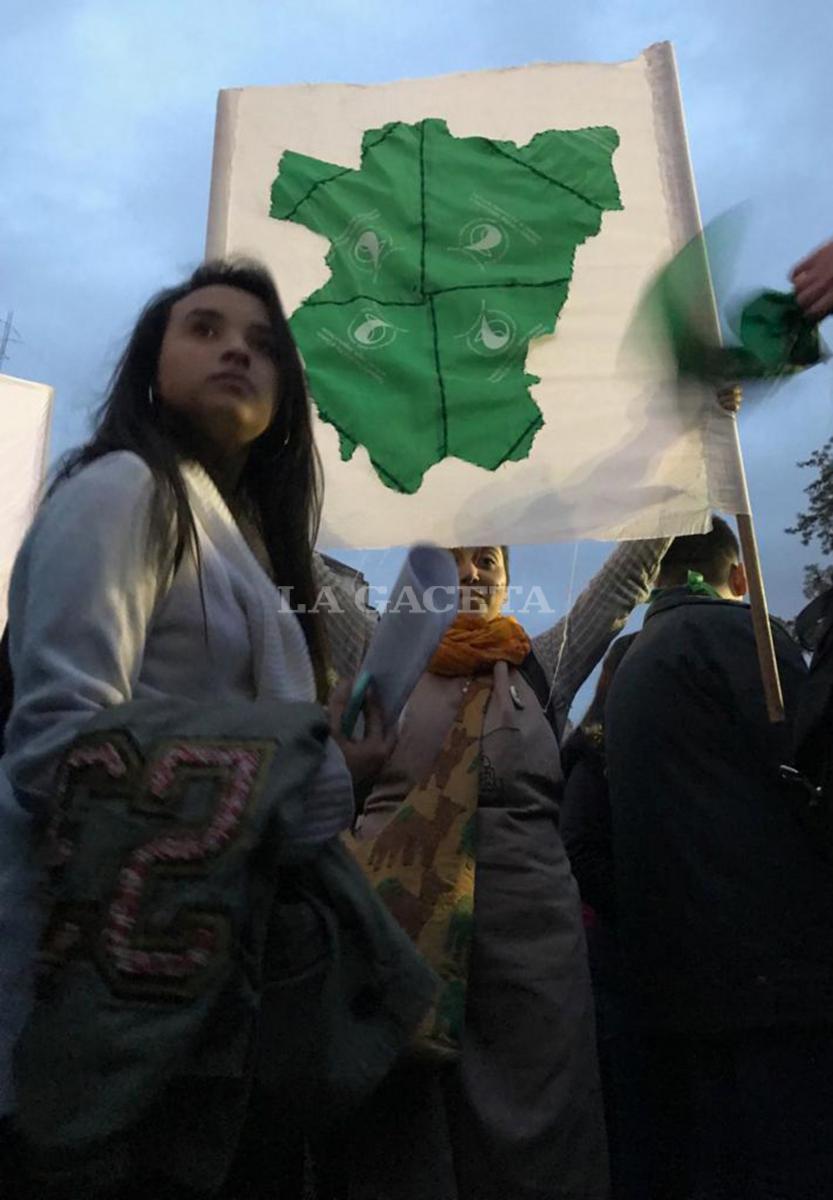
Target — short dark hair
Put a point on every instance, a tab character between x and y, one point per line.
711	554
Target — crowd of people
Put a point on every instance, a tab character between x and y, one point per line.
477	957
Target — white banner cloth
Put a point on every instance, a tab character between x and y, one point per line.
623	452
25	412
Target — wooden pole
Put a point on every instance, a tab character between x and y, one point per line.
688	225
730	398
760	619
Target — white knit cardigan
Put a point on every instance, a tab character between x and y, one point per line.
95	621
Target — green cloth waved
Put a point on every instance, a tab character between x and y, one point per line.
774	337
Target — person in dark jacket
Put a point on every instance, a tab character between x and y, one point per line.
723	900
813	742
585	809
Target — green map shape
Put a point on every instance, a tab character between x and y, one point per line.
447	257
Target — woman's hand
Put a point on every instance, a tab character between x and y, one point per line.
729	398
364	758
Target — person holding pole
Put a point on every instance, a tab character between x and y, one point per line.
813	749
501	1097
723	901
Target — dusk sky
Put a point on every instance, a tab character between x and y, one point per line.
107	129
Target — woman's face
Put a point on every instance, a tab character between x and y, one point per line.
217	367
482	574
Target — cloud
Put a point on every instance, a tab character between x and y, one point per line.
108	140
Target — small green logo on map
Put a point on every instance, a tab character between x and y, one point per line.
492	333
483	241
372	331
366	242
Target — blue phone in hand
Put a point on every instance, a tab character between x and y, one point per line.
355	703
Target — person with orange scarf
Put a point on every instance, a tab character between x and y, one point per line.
500	1097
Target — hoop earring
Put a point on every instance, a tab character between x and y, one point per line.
278	454
151	397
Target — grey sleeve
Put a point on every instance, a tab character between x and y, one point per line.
349	620
82	595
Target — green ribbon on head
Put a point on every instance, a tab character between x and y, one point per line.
695	585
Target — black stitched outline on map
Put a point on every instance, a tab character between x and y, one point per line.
323	182
363	296
383	137
542	175
423	222
460	287
440	380
536	423
485	287
400	487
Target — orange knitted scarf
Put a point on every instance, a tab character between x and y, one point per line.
472	645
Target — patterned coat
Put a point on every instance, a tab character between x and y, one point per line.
520	1114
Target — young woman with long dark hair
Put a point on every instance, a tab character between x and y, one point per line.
172	561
